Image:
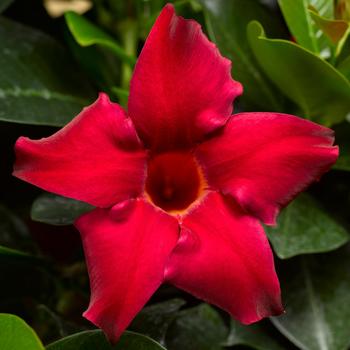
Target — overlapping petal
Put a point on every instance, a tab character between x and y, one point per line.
182	87
223	257
264	159
96	158
126	249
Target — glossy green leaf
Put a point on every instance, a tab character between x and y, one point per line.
304	227
87	34
226	24
15	334
39	84
254	336
298	73
317	299
200	327
299	23
154	320
93	340
56	210
4	4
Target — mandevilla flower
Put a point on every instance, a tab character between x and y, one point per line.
180	185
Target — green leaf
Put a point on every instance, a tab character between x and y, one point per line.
99	63
15	334
226	23
16	256
336	30
343	162
200	327
56	210
93	340
154	320
12	229
299	23
4	4
304	30
121	94
39	83
342	133
304	227
316	295
344	67
324	7
87	34
254	336
298	73
13	237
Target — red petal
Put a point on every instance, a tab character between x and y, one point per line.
265	159
181	88
126	248
223	257
96	158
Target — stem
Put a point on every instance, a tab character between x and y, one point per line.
128	35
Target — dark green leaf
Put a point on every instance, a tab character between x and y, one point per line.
15	334
254	336
13	236
4	4
318	88
304	227
300	23
226	23
13	255
95	340
99	63
154	320
342	133
87	34
343	162
12	228
38	82
317	299
200	327
57	210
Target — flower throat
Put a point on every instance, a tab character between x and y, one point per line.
174	181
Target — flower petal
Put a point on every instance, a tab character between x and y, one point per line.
265	159
96	158
181	88
126	248
223	257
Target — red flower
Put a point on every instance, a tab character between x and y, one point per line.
180	186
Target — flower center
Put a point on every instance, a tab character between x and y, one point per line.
174	181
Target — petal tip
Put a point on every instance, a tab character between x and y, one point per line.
112	333
103	98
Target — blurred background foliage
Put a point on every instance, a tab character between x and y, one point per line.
292	56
